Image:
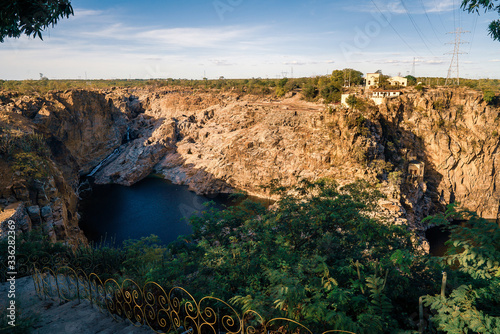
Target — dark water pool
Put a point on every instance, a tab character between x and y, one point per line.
438	236
116	213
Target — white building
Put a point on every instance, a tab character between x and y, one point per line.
386	93
398	81
372	79
379	95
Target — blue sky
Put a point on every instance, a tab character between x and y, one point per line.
253	38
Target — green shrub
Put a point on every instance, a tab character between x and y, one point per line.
472	302
310	92
489	97
330	93
31	166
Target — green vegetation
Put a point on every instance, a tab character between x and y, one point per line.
329	88
352	101
489	97
412	81
473	260
31	17
27	153
317	258
488	6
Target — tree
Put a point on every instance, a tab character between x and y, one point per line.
489	6
30	17
317	258
412	81
352	101
473	263
489	96
338	77
310	92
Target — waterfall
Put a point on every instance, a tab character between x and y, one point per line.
96	168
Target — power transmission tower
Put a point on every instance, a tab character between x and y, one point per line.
413	68
455	63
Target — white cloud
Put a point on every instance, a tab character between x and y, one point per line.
397	7
195	37
294	62
221	62
440	6
81	13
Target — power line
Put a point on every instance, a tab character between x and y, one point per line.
454	17
416	27
397	32
459	16
473	32
455	63
429	19
441	20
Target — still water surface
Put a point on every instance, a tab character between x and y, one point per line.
152	206
116	213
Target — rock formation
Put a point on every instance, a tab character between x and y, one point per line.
221	141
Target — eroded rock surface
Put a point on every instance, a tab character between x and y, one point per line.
218	142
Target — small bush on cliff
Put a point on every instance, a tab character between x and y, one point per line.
489	97
31	166
12	143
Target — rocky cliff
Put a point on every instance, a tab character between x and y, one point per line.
219	141
77	129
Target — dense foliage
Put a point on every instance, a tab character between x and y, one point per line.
488	6
472	303
317	257
31	17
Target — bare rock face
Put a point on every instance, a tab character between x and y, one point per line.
85	125
80	128
219	142
136	159
458	138
15	212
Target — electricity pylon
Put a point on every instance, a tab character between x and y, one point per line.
455	63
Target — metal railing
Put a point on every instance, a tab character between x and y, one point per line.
68	277
175	310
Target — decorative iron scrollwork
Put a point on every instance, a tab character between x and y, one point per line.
152	306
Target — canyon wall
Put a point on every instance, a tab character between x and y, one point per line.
221	141
79	128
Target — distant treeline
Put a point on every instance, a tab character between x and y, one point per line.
327	87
